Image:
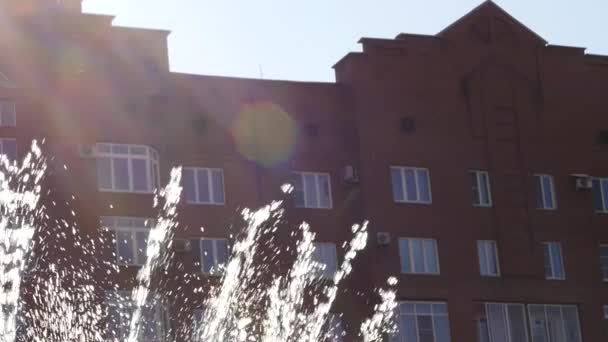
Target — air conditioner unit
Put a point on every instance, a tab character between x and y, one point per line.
350	174
582	181
181	245
88	151
383	238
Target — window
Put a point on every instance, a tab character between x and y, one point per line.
482	196
419	256
499	322
554	323
604	261
127	168
422	322
335	329
197	324
8	147
545	192
8	113
312	190
488	258
600	195
554	264
411	184
131	236
214	255
119	308
324	254
203	185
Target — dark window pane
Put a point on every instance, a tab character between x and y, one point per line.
475	188
548	192
140	174
189	185
598	204
424	190
324	191
121	174
484	188
429	255
9	148
298	190
203	186
539	193
125	247
397	183
217	177
310	186
410	185
417	252
404	251
142	246
207	256
104	173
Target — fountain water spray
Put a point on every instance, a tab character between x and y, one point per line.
19	195
158	244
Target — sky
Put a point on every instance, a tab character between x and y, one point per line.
302	40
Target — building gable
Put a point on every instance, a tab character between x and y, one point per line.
488	23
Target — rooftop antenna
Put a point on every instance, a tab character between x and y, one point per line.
261	71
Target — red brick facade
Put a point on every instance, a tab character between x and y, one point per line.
486	93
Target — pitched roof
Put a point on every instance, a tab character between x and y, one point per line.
491	6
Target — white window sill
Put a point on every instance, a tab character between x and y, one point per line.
205	203
482	205
490	276
413	202
558	279
547	209
321	208
127	192
420	274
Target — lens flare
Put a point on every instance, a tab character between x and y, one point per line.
265	133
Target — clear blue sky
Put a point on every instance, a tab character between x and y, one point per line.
301	40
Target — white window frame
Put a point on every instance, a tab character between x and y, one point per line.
604	209
4	103
489	246
2	141
398	337
553	267
402	170
112	223
602	267
209	172
215	269
121	299
316	175
539	179
424	260
151	158
477	187
507	319
326	246
545	306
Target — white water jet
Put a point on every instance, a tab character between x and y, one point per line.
158	244
19	195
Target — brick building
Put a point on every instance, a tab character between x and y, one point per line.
475	153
